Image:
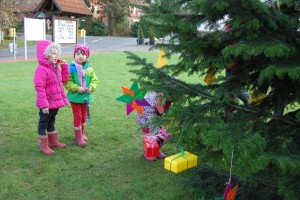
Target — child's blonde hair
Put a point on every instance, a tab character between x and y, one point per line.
50	49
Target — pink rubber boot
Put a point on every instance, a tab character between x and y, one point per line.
44	146
83	132
53	140
79	138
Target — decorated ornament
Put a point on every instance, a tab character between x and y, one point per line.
162	60
210	77
134	98
227	190
230	194
181	161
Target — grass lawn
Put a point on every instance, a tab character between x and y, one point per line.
110	167
19	42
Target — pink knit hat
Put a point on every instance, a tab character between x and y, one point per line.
83	48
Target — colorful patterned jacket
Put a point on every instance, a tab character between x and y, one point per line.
73	83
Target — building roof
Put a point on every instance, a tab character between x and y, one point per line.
25	6
68	7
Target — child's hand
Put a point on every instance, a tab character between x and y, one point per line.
80	90
58	61
63	62
88	90
45	110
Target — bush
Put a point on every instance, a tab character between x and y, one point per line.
151	35
97	28
141	35
135	29
122	30
19	26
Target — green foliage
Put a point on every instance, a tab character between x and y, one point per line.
212	121
19	27
141	34
117	12
270	72
7	14
134	30
151	35
137	31
85	23
93	26
97	28
87	2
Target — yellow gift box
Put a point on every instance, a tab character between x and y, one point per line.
180	162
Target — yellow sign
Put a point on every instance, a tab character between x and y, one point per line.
81	33
12	32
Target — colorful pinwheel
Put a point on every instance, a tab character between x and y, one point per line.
134	98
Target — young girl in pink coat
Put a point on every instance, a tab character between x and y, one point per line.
49	77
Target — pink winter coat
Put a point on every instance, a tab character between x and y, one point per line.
48	80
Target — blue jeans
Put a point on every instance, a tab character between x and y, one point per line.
47	122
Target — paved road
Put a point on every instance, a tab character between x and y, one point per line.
95	43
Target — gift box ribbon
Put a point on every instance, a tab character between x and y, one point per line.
181	155
152	146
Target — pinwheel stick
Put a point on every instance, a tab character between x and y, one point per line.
88	115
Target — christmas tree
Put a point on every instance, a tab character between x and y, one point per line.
247	109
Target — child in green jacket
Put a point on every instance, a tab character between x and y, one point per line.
80	85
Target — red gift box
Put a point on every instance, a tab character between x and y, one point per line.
151	147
